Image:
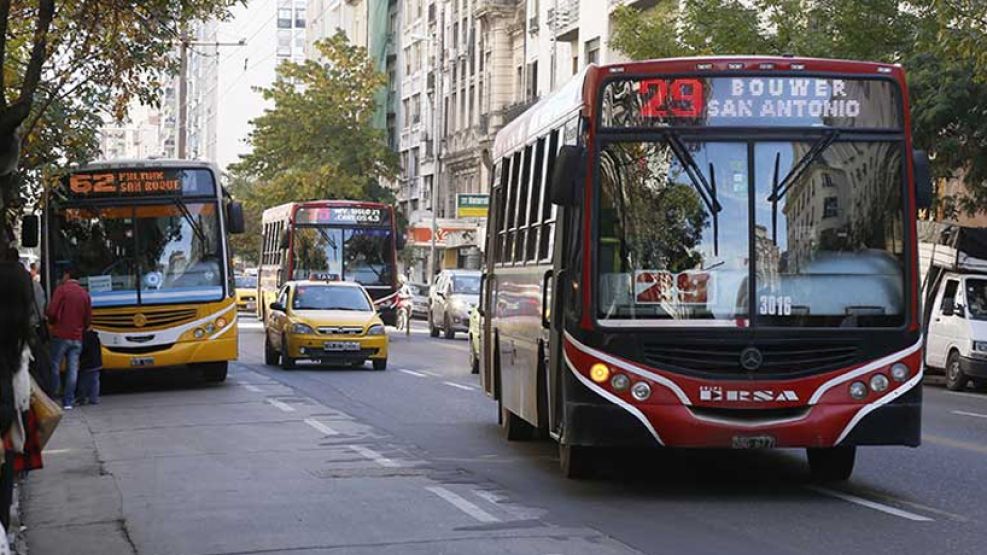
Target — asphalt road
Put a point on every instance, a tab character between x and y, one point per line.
411	461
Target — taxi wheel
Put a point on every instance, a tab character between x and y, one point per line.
432	330
380	364
447	330
270	355
287	363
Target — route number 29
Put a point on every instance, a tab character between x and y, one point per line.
775	305
679	98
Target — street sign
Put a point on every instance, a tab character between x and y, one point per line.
470	205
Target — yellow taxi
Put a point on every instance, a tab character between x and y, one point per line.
330	322
246	292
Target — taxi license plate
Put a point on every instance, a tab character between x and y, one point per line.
141	361
342	346
753	442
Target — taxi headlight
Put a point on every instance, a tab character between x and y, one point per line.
376	329
302	329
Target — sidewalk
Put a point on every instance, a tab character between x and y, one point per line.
71	506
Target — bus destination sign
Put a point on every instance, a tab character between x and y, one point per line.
339	215
753	102
139	183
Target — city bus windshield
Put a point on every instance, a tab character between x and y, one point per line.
676	232
147	254
358	254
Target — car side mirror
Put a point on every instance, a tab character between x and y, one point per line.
277	306
30	231
948	307
923	179
959	311
565	175
235	223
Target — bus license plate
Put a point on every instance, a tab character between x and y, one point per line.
342	346
141	361
753	442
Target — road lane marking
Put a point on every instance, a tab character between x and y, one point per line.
966	394
321	427
463	505
413	373
887	509
374	456
281	405
253	388
433	374
965	413
460	386
954	443
251	325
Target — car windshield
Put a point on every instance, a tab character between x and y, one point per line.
330	297
246	282
466	285
976	298
150	254
676	236
360	254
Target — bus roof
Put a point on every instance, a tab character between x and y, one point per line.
125	163
576	95
284	210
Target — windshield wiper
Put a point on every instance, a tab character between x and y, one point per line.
196	228
780	189
706	189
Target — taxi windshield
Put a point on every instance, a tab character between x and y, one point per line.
330	297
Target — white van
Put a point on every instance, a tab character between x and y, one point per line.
957	330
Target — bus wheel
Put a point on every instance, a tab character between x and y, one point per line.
215	372
513	426
270	355
955	378
287	363
831	464
380	364
577	461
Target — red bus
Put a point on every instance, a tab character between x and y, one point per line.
332	240
709	253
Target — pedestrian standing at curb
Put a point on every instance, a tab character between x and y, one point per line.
90	365
70	313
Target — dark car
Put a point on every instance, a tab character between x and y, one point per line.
454	295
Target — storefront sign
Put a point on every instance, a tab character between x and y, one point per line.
472	205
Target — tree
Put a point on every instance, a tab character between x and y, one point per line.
318	140
942	44
56	53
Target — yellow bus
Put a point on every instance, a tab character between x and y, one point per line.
149	240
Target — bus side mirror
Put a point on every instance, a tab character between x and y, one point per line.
234	218
401	242
30	231
565	174
923	179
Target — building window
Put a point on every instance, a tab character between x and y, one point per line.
406	104
284	43
831	207
416	109
284	18
531	90
300	18
593	51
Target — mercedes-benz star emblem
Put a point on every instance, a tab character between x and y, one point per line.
751	358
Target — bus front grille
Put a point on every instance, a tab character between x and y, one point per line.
777	359
143	319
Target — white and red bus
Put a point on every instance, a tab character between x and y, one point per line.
709	253
331	240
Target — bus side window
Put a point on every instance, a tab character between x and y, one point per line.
501	207
548	210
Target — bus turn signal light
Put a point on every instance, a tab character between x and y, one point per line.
599	372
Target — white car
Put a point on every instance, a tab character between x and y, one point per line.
957	330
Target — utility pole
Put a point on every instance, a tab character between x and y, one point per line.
184	42
437	119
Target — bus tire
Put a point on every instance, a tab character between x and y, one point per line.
956	380
831	464
380	364
513	426
270	355
577	461
287	363
447	330
215	372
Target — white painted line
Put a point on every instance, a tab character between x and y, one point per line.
283	406
250	325
321	427
433	374
980	396
460	386
374	456
253	388
413	373
463	505
965	413
870	504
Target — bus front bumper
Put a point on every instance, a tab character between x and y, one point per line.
183	353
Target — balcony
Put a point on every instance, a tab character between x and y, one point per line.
564	20
481	7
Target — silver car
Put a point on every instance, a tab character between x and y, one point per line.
451	300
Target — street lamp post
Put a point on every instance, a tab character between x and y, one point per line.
183	47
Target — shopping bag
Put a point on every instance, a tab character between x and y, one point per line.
46	411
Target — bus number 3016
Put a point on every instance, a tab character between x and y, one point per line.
775	305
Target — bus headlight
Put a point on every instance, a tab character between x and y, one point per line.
641	391
210	327
221	323
620	382
858	390
879	382
899	371
376	329
302	329
599	372
199	333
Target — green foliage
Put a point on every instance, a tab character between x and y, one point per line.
318	139
942	44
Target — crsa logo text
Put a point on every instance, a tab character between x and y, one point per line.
715	393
